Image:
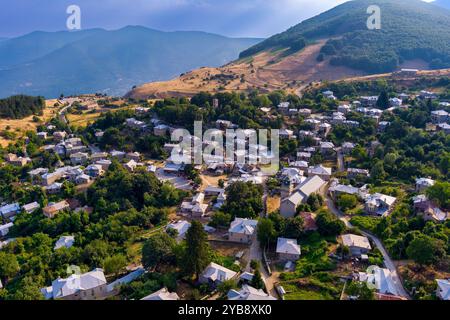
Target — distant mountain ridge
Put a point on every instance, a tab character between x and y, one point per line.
331	46
97	60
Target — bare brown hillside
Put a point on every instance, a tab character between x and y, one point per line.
266	71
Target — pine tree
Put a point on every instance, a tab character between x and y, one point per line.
197	249
383	100
257	281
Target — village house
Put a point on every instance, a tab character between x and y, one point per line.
136	156
141	110
293	112
325	129
215	274
347	147
99	135
289	205
69	149
304	156
52	209
301	165
424	183
428	210
104	164
64	242
211	191
383	125
50	178
161	130
395	102
195	207
8	211
351	123
381	280
337	189
444	127
248	293
4	229
427	95
97	156
357	245
162	295
135	124
224	124
353	173
31	207
443	289
242	230
379	204
87	286
59	135
74	141
181	227
36	174
130	165
79	158
344	108
327	148
54	188
83	179
42	135
439	116
329	95
304	112
283	107
368	101
173	168
321	171
288	249
119	155
286	134
314	124
14	160
94	170
338	118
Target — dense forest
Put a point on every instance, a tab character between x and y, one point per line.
410	29
19	107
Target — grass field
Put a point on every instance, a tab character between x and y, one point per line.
20	126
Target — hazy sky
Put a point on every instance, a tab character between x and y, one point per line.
241	18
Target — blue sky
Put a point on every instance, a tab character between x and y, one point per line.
238	18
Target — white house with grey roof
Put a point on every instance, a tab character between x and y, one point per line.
379	204
381	280
288	249
4	229
443	289
64	242
358	245
181	227
86	286
242	230
288	207
215	274
321	171
162	294
424	183
248	293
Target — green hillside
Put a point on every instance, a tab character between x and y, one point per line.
409	29
108	61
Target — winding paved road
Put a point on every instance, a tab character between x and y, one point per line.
387	259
